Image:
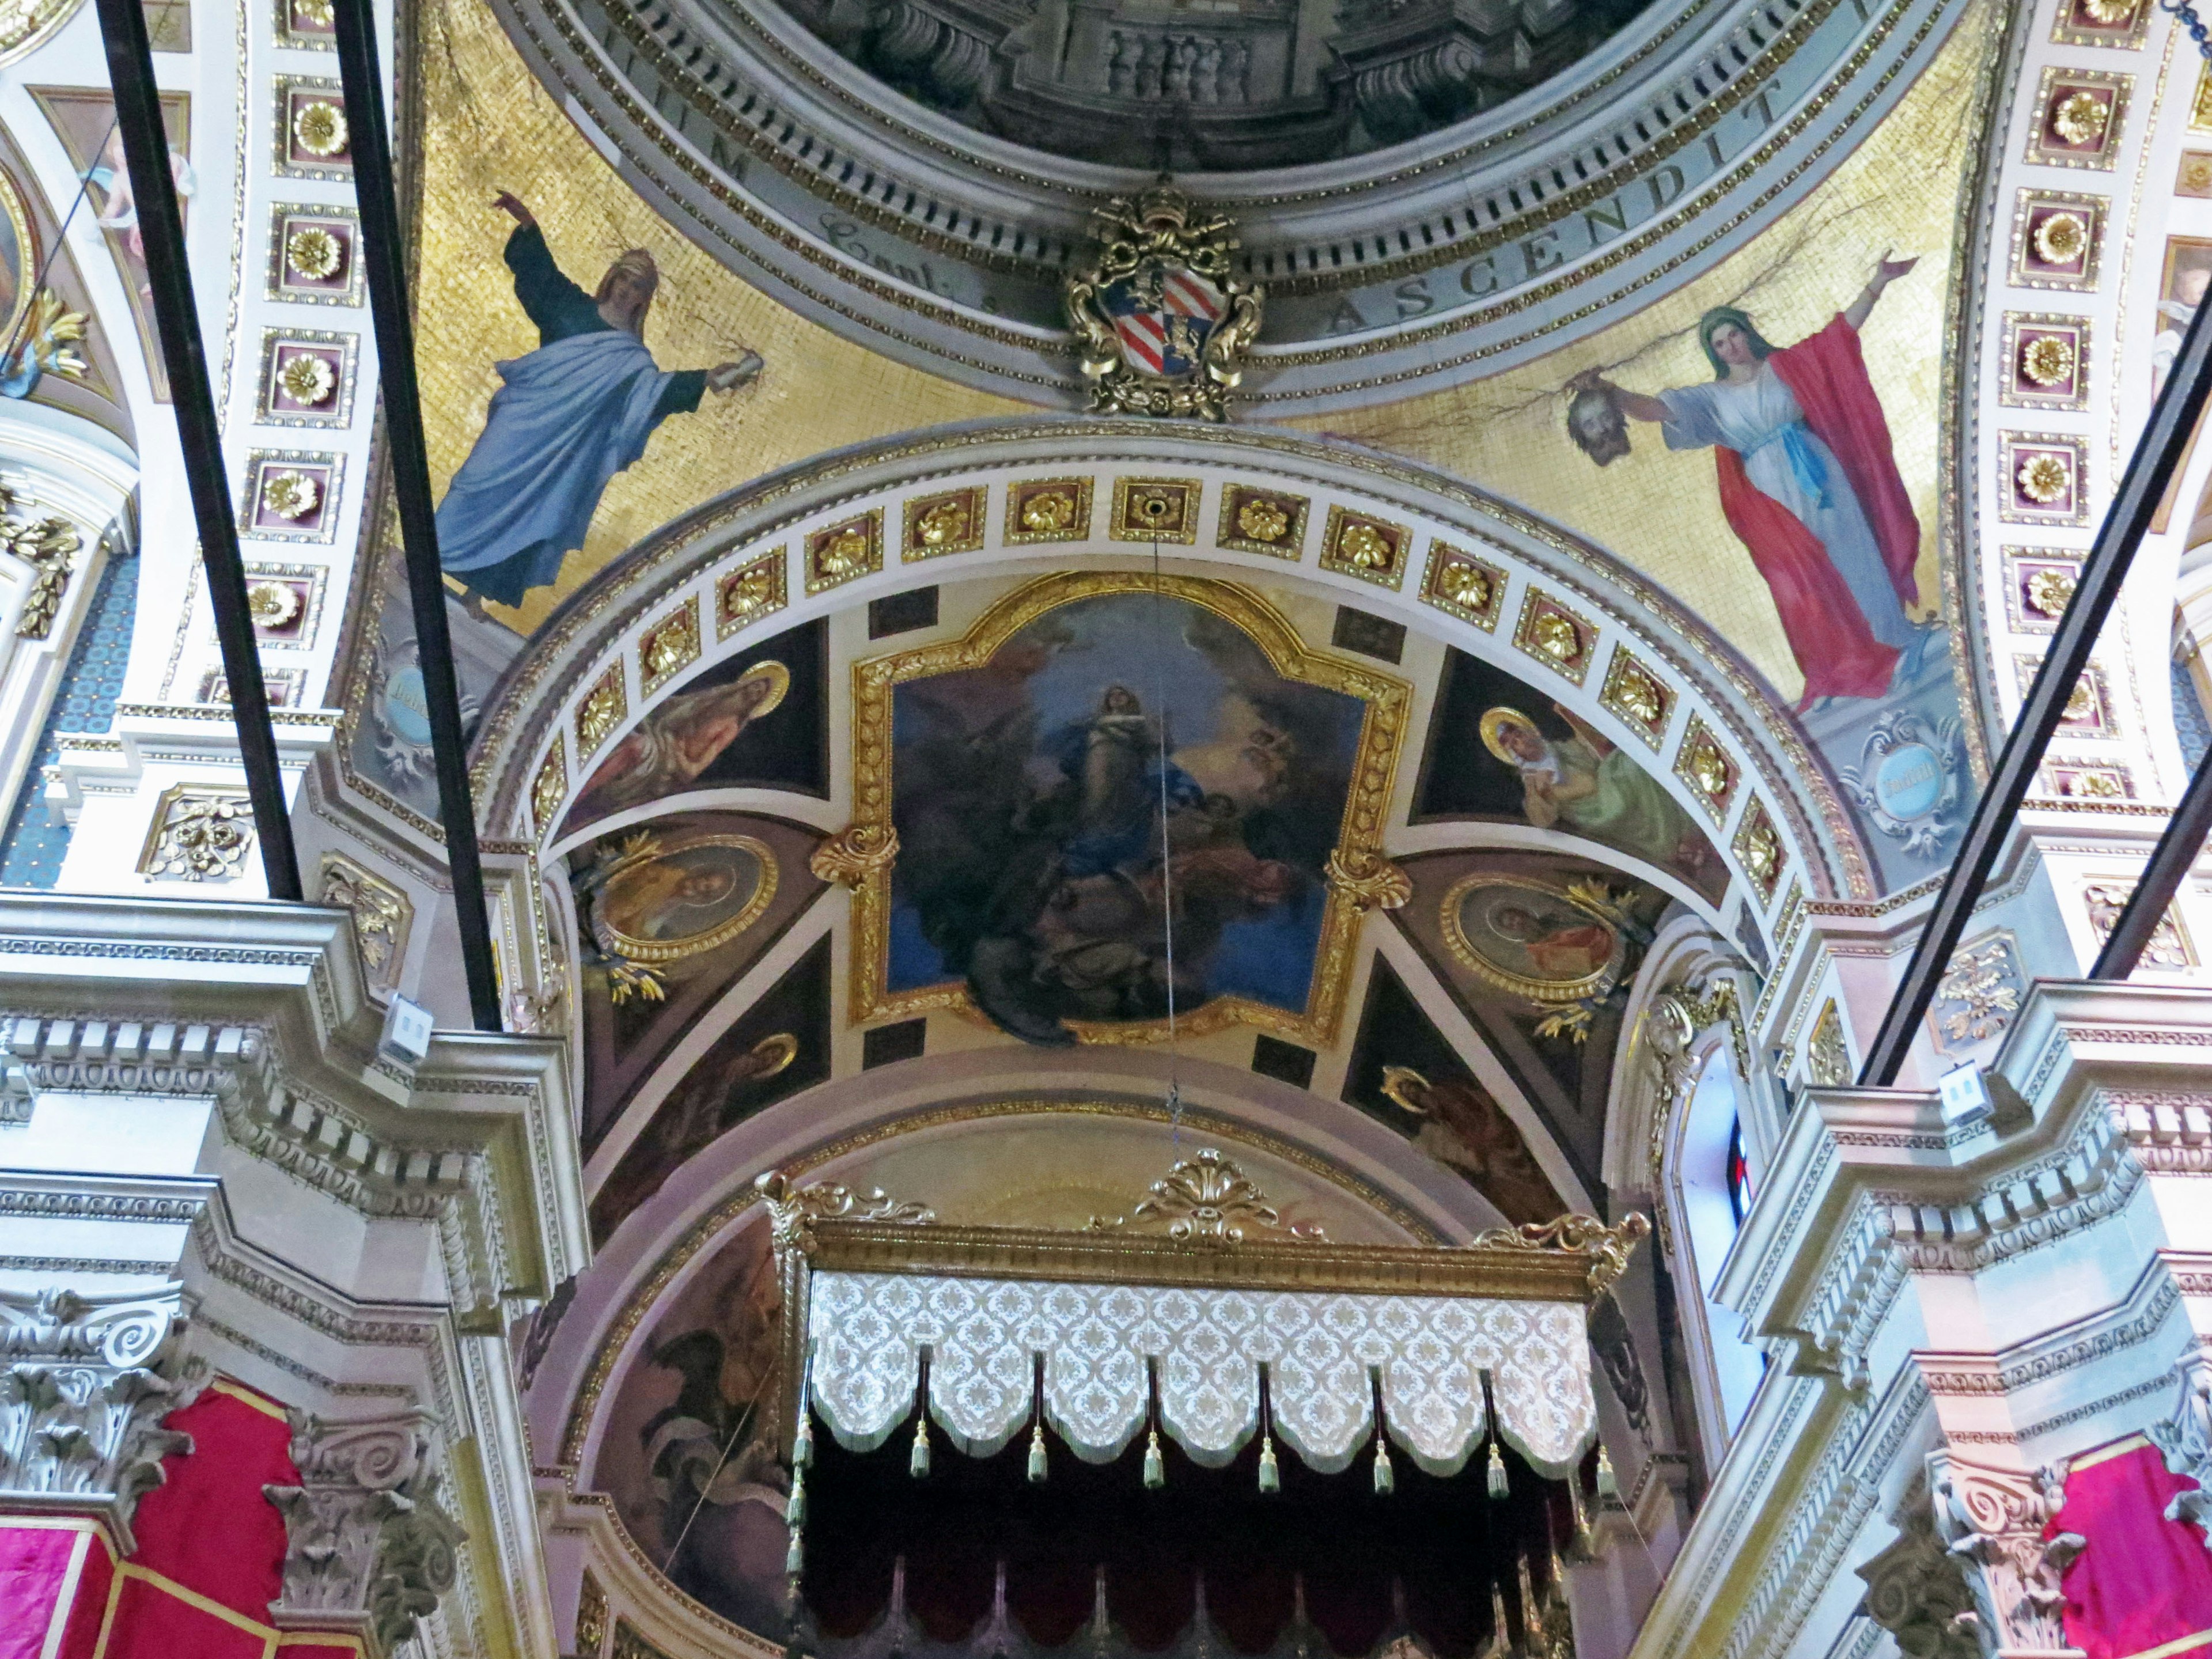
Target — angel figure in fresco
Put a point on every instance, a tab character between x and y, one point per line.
1809	483
1587	784
679	739
1462	1126
571	415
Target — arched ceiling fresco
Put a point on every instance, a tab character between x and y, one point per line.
1589	158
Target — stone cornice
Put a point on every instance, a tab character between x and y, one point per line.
2117	1082
262	1008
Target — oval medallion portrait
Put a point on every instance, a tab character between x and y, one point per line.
667	901
1535	940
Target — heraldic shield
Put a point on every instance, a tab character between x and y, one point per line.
1165	323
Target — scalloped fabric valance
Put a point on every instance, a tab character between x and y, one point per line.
1324	1354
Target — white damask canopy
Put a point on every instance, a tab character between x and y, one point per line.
1216	1329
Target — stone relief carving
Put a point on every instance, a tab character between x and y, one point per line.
1992	1519
382	917
2186	1440
368	1550
88	1382
1915	1591
199	835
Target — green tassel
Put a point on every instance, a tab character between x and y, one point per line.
802	1448
917	1463
795	1558
1386	1482
1498	1486
1608	1484
1156	1467
1270	1473
1036	1455
795	1507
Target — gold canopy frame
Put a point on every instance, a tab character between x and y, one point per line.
1204	1227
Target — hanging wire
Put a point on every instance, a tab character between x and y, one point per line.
1167	861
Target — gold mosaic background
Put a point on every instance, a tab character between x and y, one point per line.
1660	509
489	126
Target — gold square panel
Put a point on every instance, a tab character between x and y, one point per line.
1269	522
1462	586
310	132
1634	692
314	255
1758	850
2039	581
1562	640
2088	781
604	707
549	788
668	648
951	523
2044	361
1703	764
2042	479
2116	23
746	594
1049	510
306	377
2058	239
1155	510
1359	545
2088	712
2078	115
845	552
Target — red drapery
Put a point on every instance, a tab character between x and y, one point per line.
2143	1585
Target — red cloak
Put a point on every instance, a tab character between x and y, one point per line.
1828	634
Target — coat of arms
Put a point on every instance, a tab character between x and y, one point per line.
1162	321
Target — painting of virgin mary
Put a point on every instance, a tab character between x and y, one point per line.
1810	484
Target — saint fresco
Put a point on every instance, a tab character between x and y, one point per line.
1810	484
1126	807
1500	749
570	415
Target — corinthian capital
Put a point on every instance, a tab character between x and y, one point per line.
88	1381
369	1552
1991	1521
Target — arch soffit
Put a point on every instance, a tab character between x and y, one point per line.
537	742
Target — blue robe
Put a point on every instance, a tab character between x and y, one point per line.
571	415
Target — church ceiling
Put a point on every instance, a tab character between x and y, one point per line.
1437	193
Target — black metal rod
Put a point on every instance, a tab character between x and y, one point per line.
176	318
2157	455
384	254
2170	861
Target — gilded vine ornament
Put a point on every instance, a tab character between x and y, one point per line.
48	546
1608	1248
855	852
1368	879
792	1211
1162	323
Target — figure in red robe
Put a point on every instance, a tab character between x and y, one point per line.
1809	483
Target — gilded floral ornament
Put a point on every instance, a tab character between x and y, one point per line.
272	605
792	1211
314	253
1205	1199
306	379
289	494
944	523
1263	520
318	127
2061	239
1162	323
2050	592
2045	477
47	340
1368	879
2080	117
854	852
2047	360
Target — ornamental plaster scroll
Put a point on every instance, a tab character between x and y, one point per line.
1107	1347
529	761
1991	1522
368	1550
89	1380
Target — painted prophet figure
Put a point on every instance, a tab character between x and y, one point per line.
570	415
1808	482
